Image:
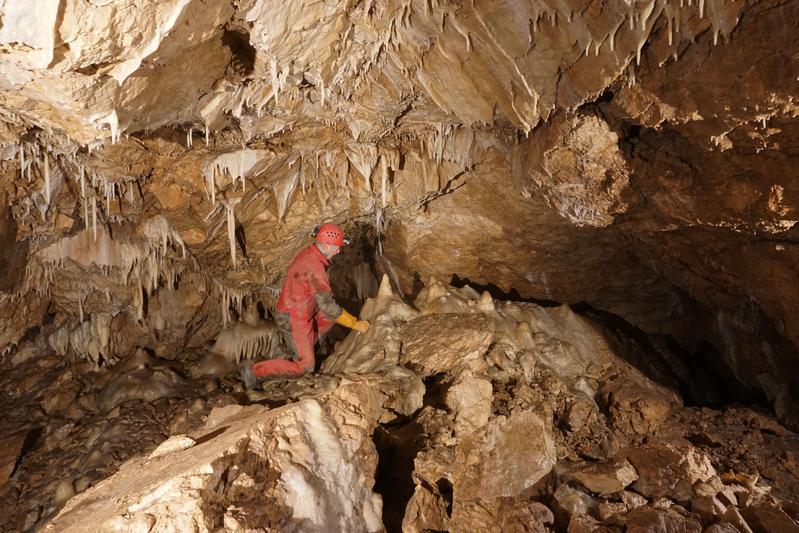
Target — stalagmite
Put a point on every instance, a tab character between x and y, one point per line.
385	287
189	138
206	135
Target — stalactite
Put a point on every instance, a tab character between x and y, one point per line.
384	184
80	306
275	81
231	234
21	160
85	212
82	184
46	178
94	216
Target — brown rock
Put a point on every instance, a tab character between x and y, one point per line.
767	517
605	478
648	520
426	510
722	527
708	507
469	398
511	515
633	500
510	456
636	404
569	503
583	158
608	510
586	524
666	470
733	516
438	343
10	449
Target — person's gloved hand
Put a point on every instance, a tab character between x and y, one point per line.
361	326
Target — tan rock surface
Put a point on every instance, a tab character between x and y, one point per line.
605	479
666	470
326	471
439	343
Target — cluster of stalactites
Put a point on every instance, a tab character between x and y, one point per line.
248	341
144	264
37	160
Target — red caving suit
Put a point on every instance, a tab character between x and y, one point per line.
306	303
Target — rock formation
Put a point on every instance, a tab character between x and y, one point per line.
584	215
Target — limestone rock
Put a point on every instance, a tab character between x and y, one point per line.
583	173
609	511
299	466
439	343
633	500
637	404
666	470
172	444
647	520
721	527
426	510
734	517
605	478
470	399
709	508
504	516
586	524
510	457
141	384
10	449
765	516
380	345
570	503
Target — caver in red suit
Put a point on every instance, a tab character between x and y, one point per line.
306	309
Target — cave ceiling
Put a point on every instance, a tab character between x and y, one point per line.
638	157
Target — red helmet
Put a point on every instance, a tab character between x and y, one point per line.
331	234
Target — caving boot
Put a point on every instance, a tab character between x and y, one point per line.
251	381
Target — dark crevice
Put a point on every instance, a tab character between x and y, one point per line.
30	442
243	61
397	447
497	293
445	488
662	359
